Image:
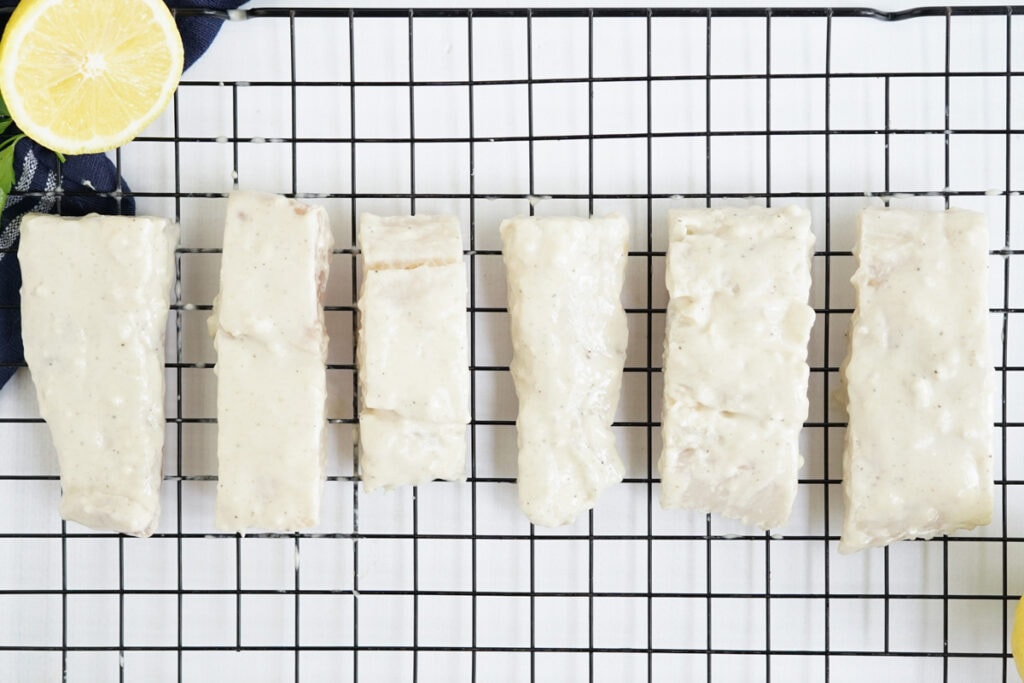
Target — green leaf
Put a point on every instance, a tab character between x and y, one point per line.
6	154
5	117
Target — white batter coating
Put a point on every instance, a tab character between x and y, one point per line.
735	363
94	301
569	335
918	459
268	328
413	351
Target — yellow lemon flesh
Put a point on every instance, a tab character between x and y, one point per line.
82	76
1017	638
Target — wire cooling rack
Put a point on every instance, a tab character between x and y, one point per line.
491	113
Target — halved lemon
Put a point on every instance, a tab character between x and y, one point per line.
82	76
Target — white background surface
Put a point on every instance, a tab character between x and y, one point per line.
638	574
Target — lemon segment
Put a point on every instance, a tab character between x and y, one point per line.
1017	638
82	76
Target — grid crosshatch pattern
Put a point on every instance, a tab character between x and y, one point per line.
485	114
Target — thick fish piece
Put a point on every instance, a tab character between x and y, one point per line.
413	355
919	379
95	297
268	329
569	334
735	361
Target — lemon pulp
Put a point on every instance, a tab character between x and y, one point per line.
84	76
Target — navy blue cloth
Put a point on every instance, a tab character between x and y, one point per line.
90	184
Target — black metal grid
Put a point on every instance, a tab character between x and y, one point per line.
594	655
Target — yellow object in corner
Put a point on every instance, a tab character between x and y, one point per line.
82	76
1017	638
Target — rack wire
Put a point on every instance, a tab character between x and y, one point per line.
487	113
